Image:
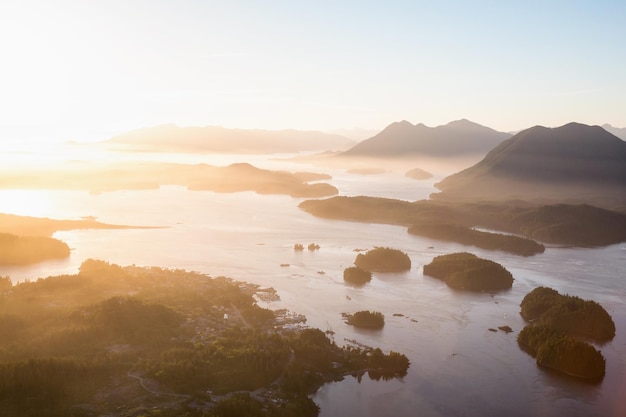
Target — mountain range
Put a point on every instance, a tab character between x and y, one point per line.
401	139
571	163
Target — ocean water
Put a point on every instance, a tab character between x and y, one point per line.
458	367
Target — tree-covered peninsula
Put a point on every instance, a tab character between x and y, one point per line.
25	250
559	326
485	240
561	224
114	340
465	271
383	260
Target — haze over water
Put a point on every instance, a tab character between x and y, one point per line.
458	367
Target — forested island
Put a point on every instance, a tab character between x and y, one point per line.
383	260
573	315
559	326
366	319
25	250
133	340
466	271
356	276
560	224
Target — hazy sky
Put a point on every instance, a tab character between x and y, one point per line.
89	69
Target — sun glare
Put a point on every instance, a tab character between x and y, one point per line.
36	203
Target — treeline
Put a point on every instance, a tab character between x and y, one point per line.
321	360
484	240
558	321
366	319
45	387
25	250
237	360
563	224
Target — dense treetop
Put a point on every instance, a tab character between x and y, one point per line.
383	260
570	314
24	250
366	319
357	276
466	271
558	351
557	323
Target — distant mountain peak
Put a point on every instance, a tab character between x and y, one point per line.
402	139
620	132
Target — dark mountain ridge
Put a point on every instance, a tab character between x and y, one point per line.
402	138
573	163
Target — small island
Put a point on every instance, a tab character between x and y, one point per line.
466	271
559	352
418	174
572	315
366	319
356	276
559	322
383	260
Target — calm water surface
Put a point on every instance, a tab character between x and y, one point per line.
458	367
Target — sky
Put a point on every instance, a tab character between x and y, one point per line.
88	70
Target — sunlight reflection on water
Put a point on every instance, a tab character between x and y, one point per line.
458	367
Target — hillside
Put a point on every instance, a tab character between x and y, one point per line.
574	163
400	139
217	139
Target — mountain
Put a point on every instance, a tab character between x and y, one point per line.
399	139
216	139
620	132
571	163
